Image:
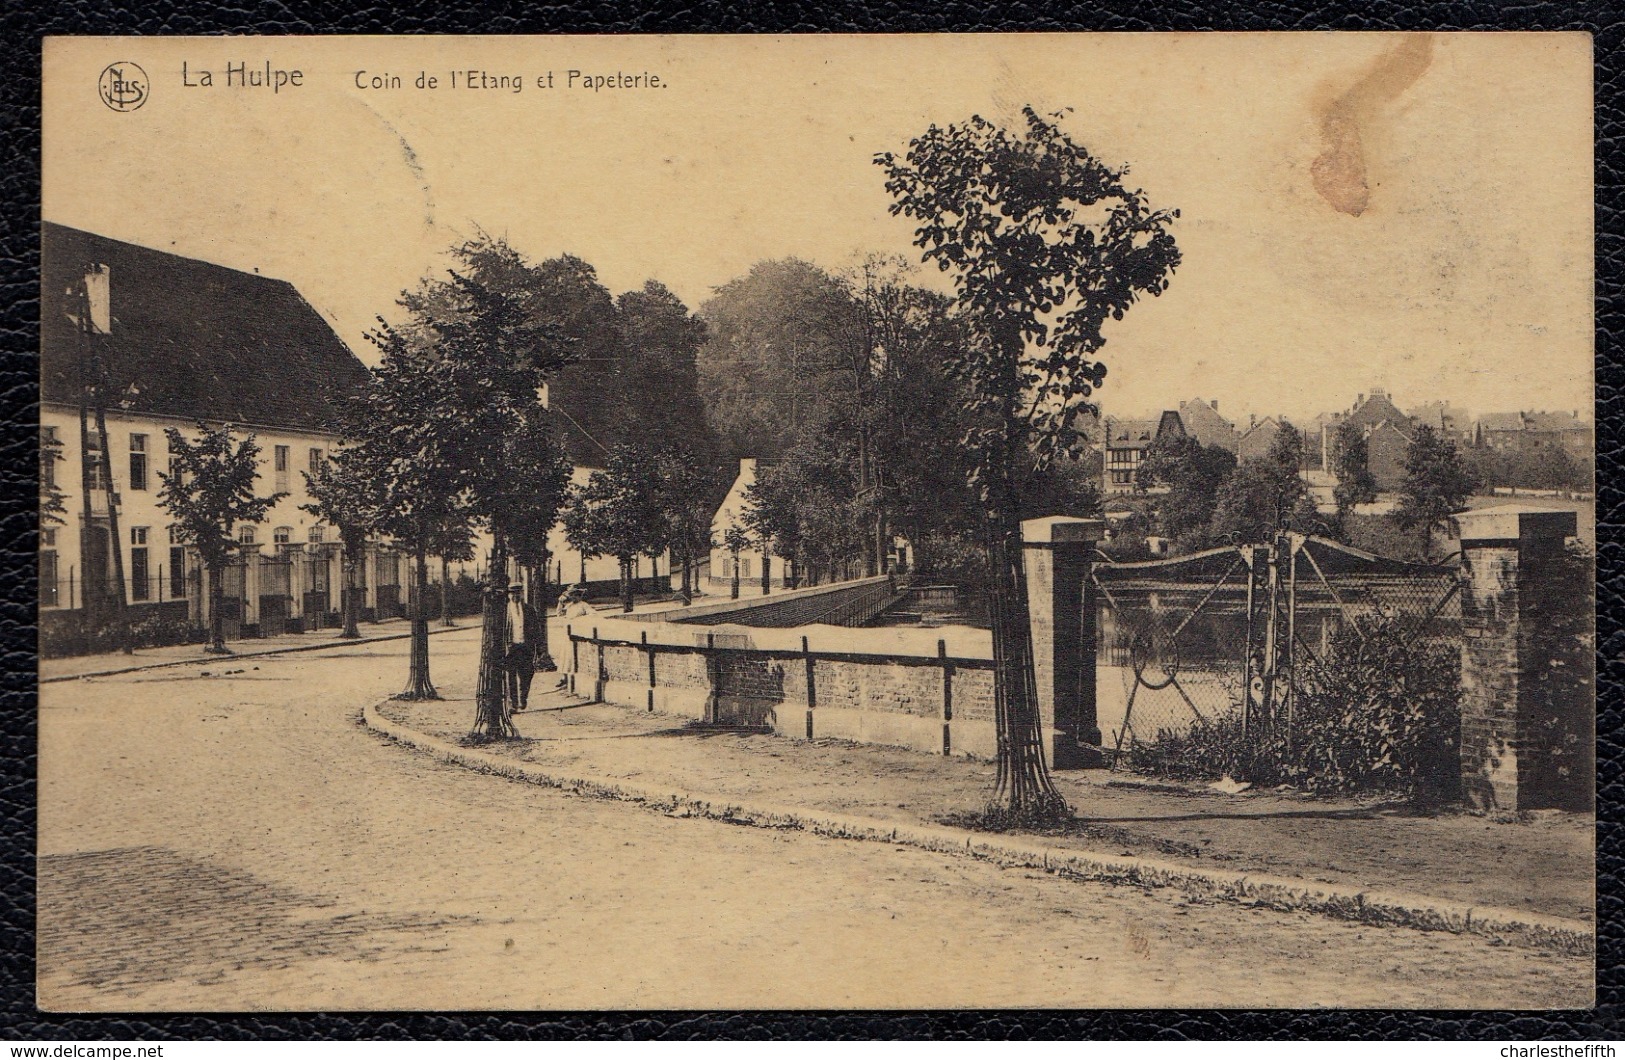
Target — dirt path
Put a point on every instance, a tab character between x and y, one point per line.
241	843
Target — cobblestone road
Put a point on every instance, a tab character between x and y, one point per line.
238	841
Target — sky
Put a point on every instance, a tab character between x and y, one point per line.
1357	210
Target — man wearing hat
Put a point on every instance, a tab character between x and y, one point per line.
521	664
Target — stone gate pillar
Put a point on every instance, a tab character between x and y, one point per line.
1057	551
1527	669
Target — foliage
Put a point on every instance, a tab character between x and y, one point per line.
1382	716
52	500
1265	493
1194	474
659	380
1045	243
776	364
619	512
1549	467
1437	482
213	490
1351	465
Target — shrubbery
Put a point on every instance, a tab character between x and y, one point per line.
1381	714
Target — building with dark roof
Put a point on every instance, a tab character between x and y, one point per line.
1206	425
188	341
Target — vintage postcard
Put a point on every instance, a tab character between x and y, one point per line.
712	522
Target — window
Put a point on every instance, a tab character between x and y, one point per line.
316	458
138	461
49	454
280	464
140	581
47	537
177	565
245	534
96	475
50	593
282	535
744	568
317	532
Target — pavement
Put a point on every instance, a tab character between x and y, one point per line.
237	842
1528	874
1532	869
112	663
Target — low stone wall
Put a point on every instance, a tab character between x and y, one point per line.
821	683
849	603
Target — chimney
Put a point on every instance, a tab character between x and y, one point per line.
1215	404
1359	400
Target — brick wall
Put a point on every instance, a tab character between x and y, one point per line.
897	700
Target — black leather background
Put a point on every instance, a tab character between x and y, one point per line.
23	24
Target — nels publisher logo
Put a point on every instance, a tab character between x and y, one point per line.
123	87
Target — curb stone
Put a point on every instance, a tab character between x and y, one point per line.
1286	894
334	643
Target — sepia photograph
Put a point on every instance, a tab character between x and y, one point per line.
900	521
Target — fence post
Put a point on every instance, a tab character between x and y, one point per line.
1528	667
812	692
575	654
598	689
947	697
644	636
1056	551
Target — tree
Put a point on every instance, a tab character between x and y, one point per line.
1194	474
209	494
1351	466
453	543
776	364
685	497
491	337
660	380
344	496
618	513
1045	243
53	506
1266	493
735	540
1437	482
773	514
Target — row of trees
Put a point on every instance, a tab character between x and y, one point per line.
455	433
1211	500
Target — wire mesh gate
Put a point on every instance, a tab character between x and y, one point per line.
1245	629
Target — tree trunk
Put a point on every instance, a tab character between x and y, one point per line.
736	576
492	720
792	573
445	593
350	605
687	591
767	571
536	618
217	615
1024	792
626	583
418	684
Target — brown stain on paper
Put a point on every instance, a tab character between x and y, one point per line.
1339	172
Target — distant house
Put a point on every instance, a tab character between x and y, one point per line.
1203	422
1524	432
1387	430
1258	438
1386	445
1446	420
1126	442
1374	408
730	514
188	341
